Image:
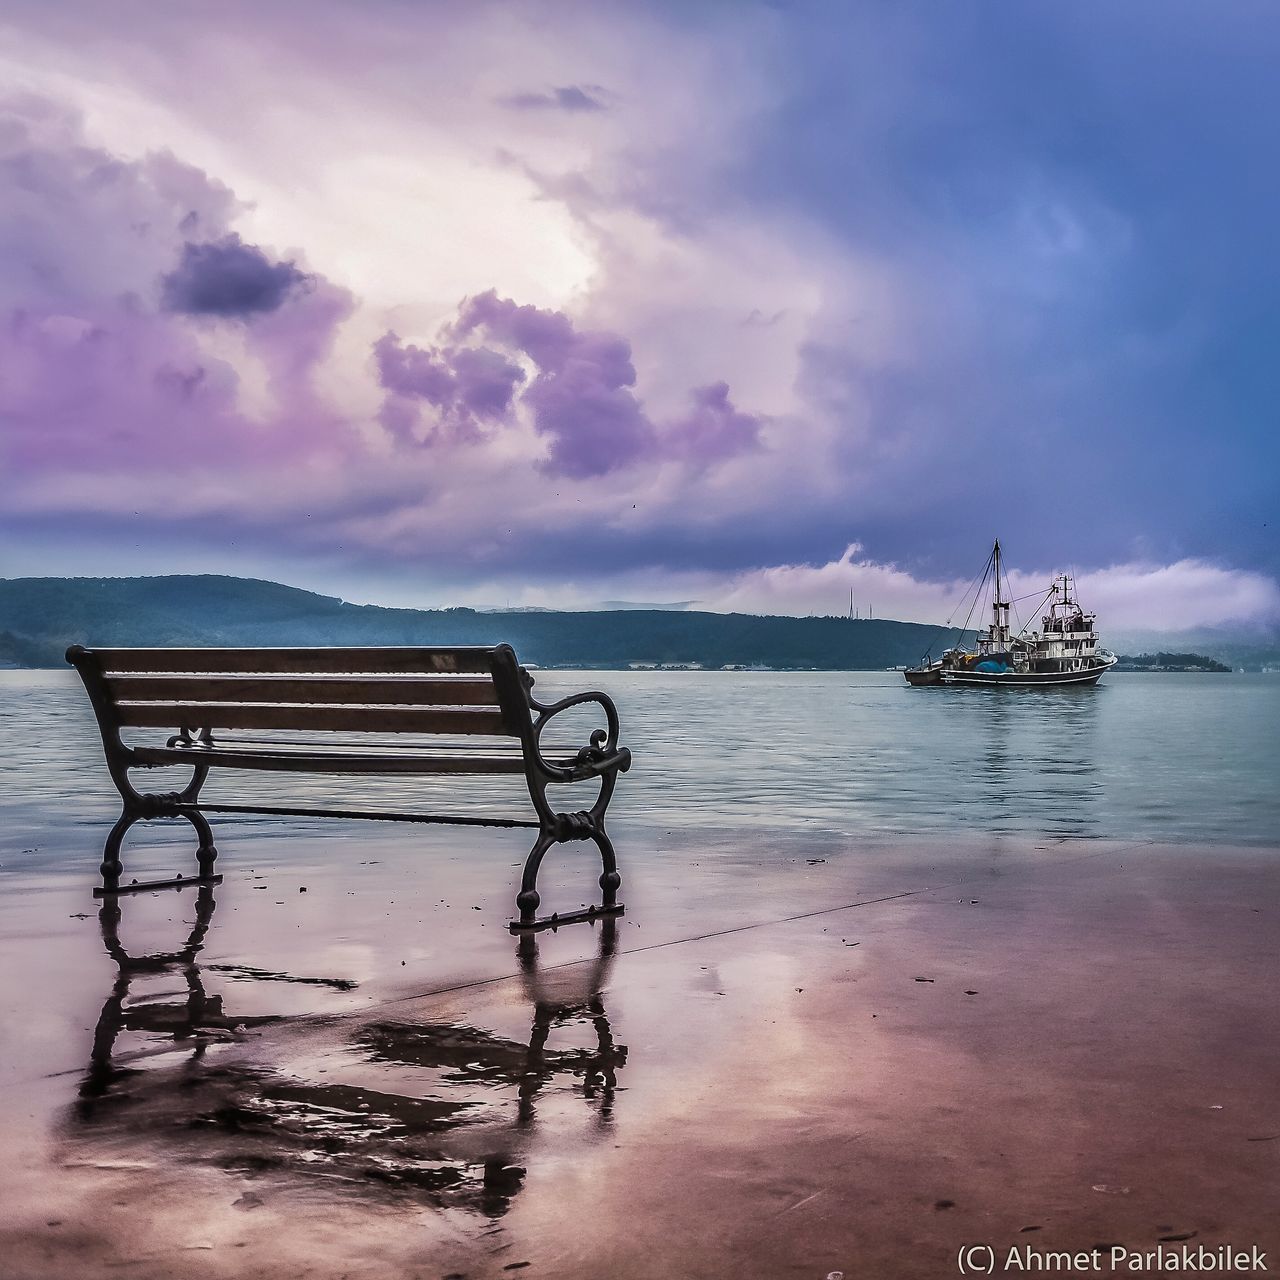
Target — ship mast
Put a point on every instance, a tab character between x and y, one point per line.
999	621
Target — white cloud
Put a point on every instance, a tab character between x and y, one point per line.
1188	593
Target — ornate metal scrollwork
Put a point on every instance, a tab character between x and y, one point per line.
601	758
603	746
596	752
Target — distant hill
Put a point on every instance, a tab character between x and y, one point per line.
1168	662
1242	647
39	617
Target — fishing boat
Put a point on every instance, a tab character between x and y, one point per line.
1063	651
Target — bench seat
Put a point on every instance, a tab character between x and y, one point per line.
349	760
364	711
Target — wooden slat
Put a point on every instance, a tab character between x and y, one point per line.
332	761
247	715
330	661
423	691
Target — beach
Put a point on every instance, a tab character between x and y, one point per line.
801	1051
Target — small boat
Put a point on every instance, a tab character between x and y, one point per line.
1064	651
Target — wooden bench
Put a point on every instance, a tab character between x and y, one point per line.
458	711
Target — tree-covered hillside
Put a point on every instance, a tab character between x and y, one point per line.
1169	662
39	617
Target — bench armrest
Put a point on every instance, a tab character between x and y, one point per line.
601	755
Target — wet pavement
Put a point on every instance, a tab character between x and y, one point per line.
794	1055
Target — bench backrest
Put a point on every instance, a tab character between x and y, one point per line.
365	690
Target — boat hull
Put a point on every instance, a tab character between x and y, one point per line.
923	675
1026	679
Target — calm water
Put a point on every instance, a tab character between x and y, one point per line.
1163	757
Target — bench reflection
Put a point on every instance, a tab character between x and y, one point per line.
194	1019
562	997
446	1111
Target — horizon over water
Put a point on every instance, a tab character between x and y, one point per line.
1175	758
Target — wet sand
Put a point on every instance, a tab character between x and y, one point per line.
793	1056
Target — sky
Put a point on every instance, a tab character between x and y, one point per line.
751	304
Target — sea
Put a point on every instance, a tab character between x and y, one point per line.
1163	757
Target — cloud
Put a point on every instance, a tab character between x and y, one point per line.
78	223
1187	593
97	379
1136	595
960	315
113	375
569	97
229	278
304	407
470	387
715	429
580	398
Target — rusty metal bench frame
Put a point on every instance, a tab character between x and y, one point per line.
337	691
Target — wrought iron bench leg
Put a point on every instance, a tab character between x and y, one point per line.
111	863
206	850
561	828
528	898
143	807
610	880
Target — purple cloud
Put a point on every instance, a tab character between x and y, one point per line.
229	278
93	375
581	398
111	377
715	429
77	223
569	97
469	386
108	386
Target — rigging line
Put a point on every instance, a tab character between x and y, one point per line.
972	583
1043	600
980	599
982	584
947	624
973	604
1042	595
1012	602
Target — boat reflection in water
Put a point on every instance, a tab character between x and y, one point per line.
1031	763
181	1075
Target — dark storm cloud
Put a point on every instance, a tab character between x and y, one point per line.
229	278
1072	199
